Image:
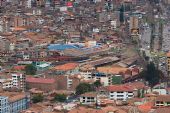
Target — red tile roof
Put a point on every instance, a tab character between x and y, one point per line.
19	68
113	70
164	98
66	67
119	88
145	108
162	110
89	94
168	54
136	85
40	80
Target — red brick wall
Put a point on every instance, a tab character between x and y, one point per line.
43	87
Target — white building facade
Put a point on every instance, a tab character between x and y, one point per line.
18	80
88	98
123	95
120	92
6	83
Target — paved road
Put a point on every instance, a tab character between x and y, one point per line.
166	38
165	48
145	38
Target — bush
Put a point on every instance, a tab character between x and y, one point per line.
97	83
37	98
83	88
60	98
30	69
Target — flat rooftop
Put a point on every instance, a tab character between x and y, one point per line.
13	96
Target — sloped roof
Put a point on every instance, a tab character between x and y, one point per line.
119	88
65	67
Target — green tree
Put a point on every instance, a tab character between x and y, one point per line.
139	94
37	98
30	69
152	74
143	92
83	88
116	79
60	97
97	83
121	14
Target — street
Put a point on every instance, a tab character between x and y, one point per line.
166	38
145	38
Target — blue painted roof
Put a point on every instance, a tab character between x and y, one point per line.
62	47
99	74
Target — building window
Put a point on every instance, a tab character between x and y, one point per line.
130	95
159	102
168	103
119	95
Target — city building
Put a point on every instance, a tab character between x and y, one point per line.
162	110
44	84
6	83
29	3
105	79
42	66
168	62
134	25
73	81
86	71
19	80
4	104
160	89
107	109
167	1
94	42
66	69
162	101
88	98
117	92
13	102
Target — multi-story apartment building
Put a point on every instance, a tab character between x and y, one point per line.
120	92
29	3
4	105
15	80
117	92
20	21
134	25
88	98
18	80
13	102
72	82
105	79
167	1
162	101
6	83
40	2
86	71
168	62
4	44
